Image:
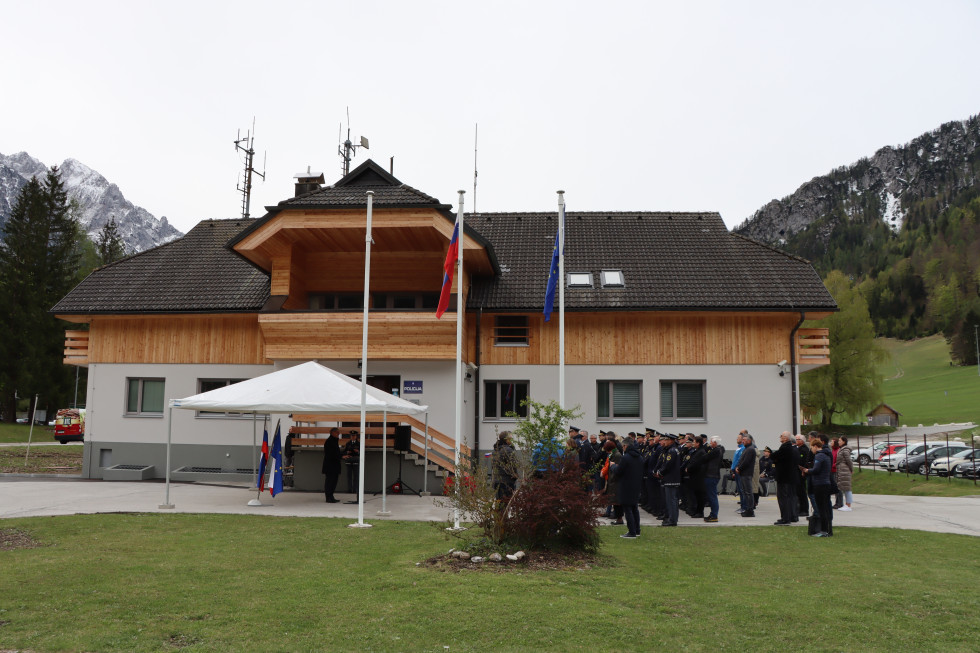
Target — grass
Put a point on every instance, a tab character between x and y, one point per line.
869	481
148	582
65	459
924	388
20	433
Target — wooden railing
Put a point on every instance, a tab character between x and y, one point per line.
813	346
441	448
76	348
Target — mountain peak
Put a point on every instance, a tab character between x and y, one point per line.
99	198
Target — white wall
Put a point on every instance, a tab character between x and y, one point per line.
753	397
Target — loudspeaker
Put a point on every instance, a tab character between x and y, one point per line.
403	437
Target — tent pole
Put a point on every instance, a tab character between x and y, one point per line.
257	501
364	350
384	512
170	427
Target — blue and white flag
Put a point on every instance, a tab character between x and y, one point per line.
549	295
275	465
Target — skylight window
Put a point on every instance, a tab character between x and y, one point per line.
613	279
579	279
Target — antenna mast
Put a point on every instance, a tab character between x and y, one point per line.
347	150
476	133
246	145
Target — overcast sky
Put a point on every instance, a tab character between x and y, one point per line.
685	106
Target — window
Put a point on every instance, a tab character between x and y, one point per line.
682	401
144	397
613	278
579	279
502	397
510	331
207	385
618	400
379	301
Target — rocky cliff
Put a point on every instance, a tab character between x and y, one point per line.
100	200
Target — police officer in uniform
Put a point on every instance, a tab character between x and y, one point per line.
669	473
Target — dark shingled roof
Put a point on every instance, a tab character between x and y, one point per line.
350	191
194	274
670	261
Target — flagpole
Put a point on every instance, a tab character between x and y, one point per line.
561	299
364	351
459	349
384	512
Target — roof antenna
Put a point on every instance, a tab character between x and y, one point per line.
248	148
476	133
347	150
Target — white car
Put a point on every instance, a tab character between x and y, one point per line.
945	465
891	462
869	455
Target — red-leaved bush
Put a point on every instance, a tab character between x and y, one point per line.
555	512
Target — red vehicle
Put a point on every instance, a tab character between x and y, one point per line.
890	449
69	425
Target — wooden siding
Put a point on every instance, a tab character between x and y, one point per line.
76	348
335	335
176	339
649	339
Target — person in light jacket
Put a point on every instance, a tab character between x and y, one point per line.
845	470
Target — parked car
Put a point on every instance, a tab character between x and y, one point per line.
946	465
967	470
919	463
868	455
891	462
891	449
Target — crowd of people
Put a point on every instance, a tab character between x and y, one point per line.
666	474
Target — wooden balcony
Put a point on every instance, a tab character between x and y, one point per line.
812	348
337	335
76	348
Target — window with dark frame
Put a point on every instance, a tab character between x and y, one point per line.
682	401
619	400
207	385
502	397
144	396
511	331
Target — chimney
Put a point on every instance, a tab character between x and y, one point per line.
307	182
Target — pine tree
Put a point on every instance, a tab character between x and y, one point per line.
110	243
38	263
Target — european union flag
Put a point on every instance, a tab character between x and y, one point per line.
549	295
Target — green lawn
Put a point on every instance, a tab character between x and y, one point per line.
20	432
870	481
924	388
150	582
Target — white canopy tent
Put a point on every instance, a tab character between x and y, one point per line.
305	388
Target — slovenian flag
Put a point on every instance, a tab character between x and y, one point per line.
260	483
275	469
549	293
448	268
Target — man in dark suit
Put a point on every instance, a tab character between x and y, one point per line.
331	464
787	474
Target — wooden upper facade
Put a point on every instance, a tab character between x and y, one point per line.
289	287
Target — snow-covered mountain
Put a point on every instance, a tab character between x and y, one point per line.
100	200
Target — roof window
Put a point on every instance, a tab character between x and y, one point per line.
579	279
613	279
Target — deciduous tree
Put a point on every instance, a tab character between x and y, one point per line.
851	383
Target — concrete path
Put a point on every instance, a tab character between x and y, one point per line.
32	497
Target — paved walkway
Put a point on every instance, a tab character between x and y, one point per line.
22	496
